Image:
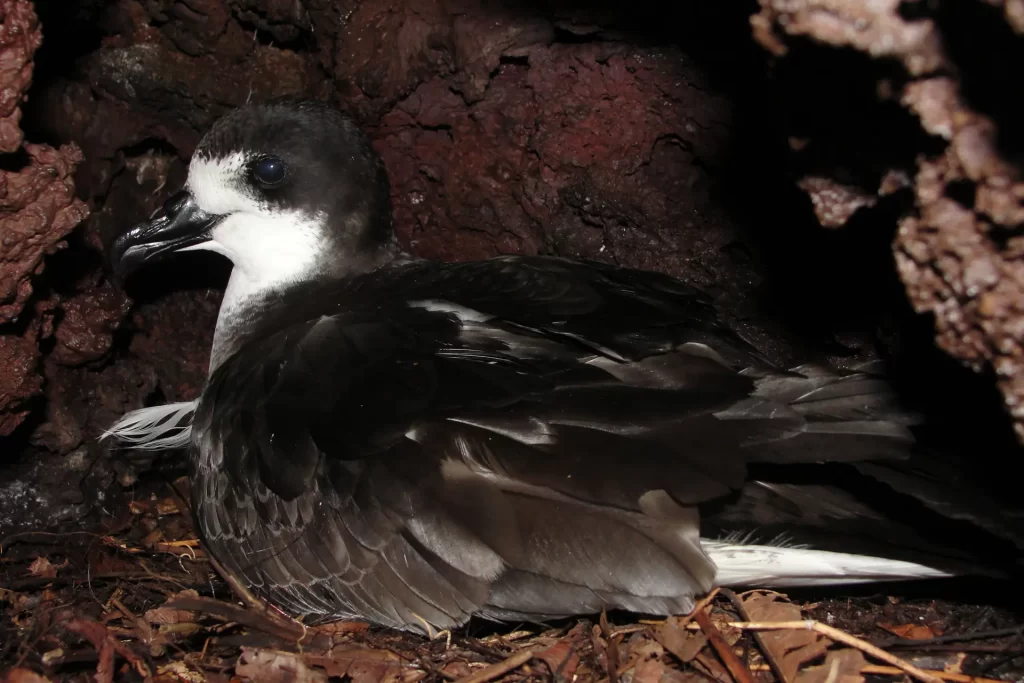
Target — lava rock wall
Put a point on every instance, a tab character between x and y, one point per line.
37	211
959	251
773	157
573	130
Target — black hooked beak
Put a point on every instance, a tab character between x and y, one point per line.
179	224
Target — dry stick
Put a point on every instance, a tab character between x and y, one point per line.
257	619
684	622
839	636
768	655
489	673
699	607
739	672
243	593
142	628
952	638
611	650
882	670
946	676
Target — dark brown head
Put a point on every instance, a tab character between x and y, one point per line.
287	190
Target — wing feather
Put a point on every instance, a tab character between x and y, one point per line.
407	462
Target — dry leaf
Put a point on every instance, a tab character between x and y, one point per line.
273	666
457	669
42	568
688	675
644	659
713	667
640	648
168	615
152	538
675	638
721	622
911	631
24	676
790	648
365	665
955	665
167	506
841	666
562	659
178	672
106	646
340	627
649	671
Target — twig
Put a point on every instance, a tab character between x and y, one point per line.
768	655
953	638
840	636
882	670
1008	649
611	650
431	669
243	593
946	676
739	672
478	647
699	607
37	582
142	629
261	620
489	673
107	646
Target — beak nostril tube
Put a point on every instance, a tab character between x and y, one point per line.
179	224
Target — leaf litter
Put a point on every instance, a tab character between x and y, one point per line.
138	600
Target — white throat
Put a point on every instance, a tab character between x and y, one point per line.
270	248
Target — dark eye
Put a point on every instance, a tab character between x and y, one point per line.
269	171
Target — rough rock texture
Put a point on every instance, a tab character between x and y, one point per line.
19	39
657	135
37	210
500	125
959	251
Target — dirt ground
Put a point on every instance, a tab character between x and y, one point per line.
128	594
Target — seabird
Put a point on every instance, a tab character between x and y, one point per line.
412	443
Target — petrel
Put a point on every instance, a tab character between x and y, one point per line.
412	443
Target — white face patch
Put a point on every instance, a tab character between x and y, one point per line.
219	185
269	247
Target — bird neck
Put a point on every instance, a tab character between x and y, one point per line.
247	298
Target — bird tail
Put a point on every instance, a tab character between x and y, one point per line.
155	428
741	564
835	466
815	414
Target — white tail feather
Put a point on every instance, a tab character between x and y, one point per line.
765	566
156	428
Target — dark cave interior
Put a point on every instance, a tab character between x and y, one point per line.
842	178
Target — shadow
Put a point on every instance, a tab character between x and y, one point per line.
981	42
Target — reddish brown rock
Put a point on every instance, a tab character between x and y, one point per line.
19	38
85	332
19	380
174	338
542	164
497	140
957	252
834	203
583	129
37	210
